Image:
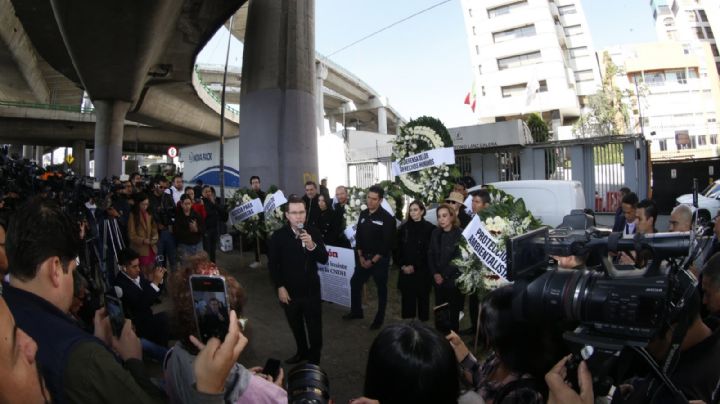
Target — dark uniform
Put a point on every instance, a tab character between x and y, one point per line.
375	233
293	267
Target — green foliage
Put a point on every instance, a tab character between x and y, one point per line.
395	193
434	124
538	128
607	114
609	154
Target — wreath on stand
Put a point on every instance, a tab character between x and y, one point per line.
275	219
357	201
431	184
506	217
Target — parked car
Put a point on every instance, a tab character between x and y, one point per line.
547	200
708	199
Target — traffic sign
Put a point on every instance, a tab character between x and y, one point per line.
172	152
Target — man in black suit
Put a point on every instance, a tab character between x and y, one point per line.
138	296
295	251
311	203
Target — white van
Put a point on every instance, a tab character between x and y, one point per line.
547	200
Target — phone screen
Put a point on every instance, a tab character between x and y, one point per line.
211	307
442	318
272	368
114	308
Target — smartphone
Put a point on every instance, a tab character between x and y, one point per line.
159	260
212	316
272	368
442	318
114	308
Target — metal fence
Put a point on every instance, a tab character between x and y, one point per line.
609	176
558	165
509	165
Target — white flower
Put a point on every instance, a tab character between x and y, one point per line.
444	182
363	206
357	202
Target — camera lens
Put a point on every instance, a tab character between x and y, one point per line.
308	384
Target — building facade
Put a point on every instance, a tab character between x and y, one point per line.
673	94
530	56
688	21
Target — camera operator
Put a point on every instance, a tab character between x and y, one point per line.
680	219
520	353
162	209
696	373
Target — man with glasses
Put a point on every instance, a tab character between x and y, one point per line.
294	253
456	201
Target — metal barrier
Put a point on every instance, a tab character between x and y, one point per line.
53	107
558	165
609	175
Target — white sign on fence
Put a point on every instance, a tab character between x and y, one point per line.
274	201
485	246
420	161
335	276
246	211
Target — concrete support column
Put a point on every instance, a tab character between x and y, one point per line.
79	165
27	152
278	116
109	136
382	120
39	155
320	76
332	123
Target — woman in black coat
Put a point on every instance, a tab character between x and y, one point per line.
443	249
328	224
415	280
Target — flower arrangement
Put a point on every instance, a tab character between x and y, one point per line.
505	218
253	227
356	203
422	134
395	197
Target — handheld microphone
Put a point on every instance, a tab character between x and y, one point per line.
300	227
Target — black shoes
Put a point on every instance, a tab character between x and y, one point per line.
352	316
376	325
295	359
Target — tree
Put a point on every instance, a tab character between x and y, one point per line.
538	128
607	114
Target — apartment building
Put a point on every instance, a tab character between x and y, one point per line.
674	96
545	43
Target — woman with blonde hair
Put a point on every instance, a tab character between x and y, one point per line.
443	249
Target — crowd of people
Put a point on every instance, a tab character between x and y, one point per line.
58	345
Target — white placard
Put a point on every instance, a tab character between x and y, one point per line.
350	234
274	201
420	161
484	245
335	276
246	211
468	205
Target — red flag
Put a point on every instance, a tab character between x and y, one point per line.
471	98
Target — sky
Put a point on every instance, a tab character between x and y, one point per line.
422	65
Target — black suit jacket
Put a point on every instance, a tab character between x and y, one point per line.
137	303
293	266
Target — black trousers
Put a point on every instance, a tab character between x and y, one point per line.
379	273
415	295
474	306
210	242
448	292
305	313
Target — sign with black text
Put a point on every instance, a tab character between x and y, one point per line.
335	276
421	161
274	201
246	211
485	246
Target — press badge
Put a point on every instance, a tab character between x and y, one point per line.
378	222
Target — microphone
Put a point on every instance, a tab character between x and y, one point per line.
300	227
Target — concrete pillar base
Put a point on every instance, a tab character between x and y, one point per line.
109	136
79	165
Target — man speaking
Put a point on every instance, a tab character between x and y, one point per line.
294	254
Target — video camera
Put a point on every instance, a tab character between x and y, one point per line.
617	308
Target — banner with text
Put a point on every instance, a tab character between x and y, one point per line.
246	211
335	276
274	201
430	158
485	246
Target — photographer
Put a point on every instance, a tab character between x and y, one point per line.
514	369
162	208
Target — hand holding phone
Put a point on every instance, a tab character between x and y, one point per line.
211	306
114	309
272	368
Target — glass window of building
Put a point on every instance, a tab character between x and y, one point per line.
519	60
584	75
565	10
702	140
505	8
708	33
669	22
663	144
515	90
542	86
510	34
713	139
714	49
682	139
703	15
699	33
578	52
573	30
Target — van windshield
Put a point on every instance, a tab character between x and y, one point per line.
712	191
